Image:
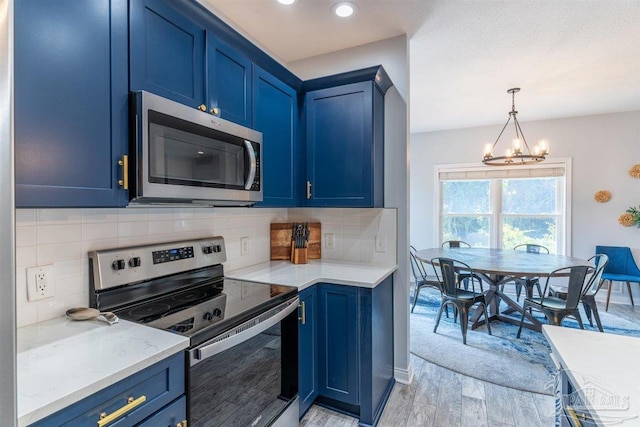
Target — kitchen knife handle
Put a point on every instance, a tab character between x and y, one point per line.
308	189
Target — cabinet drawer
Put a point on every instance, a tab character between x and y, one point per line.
170	416
148	390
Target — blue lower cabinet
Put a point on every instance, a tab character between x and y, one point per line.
308	349
354	344
151	397
339	343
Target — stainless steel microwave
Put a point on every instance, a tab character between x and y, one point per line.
179	154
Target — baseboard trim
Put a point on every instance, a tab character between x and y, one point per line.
403	376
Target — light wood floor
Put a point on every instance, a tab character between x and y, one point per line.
439	397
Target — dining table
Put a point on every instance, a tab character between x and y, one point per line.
498	267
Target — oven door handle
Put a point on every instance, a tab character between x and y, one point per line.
253	166
243	332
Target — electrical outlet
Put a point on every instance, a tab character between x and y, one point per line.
40	282
329	241
244	246
381	243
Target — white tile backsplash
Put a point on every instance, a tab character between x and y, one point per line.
63	237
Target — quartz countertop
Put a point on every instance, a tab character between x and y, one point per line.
315	271
603	369
61	361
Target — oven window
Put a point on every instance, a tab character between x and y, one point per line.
243	385
181	157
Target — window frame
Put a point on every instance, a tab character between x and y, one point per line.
495	215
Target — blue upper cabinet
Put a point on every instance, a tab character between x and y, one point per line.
167	52
345	140
178	56
229	82
71	88
275	114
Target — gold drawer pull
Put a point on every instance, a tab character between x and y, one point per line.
131	404
574	417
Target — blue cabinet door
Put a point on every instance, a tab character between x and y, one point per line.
308	349
167	52
228	81
344	131
339	349
71	88
275	114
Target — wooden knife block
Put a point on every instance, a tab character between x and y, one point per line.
299	255
282	245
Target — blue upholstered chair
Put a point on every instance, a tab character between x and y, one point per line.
620	268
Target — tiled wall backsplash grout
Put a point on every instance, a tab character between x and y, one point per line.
63	237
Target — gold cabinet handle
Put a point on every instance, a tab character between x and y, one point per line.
182	423
574	417
308	189
131	404
215	111
124	162
202	107
303	318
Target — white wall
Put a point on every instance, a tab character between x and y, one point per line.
602	148
393	55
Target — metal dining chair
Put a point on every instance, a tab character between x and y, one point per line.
453	295
421	278
589	296
556	309
455	244
529	282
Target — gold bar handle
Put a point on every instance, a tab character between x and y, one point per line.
131	404
574	417
182	423
124	162
303	318
308	189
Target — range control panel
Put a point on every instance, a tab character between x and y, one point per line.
123	266
173	254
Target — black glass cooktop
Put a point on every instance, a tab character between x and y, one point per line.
205	310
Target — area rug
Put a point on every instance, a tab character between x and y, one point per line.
521	363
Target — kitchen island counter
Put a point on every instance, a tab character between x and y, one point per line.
61	361
315	271
603	372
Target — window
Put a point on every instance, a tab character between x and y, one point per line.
504	207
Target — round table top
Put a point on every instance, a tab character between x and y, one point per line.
506	262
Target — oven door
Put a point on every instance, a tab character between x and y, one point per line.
248	375
183	153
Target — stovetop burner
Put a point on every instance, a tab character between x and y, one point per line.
148	312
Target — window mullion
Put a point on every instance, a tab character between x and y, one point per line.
495	230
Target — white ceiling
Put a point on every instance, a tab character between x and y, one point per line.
570	57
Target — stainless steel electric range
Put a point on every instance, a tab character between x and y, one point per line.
242	361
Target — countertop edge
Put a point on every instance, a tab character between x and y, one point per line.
34	413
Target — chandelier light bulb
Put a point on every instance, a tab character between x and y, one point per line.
544	147
517	145
488	150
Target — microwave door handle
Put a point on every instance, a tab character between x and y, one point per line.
252	165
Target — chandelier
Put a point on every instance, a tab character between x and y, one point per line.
515	155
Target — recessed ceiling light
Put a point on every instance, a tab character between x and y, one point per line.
287	2
344	9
